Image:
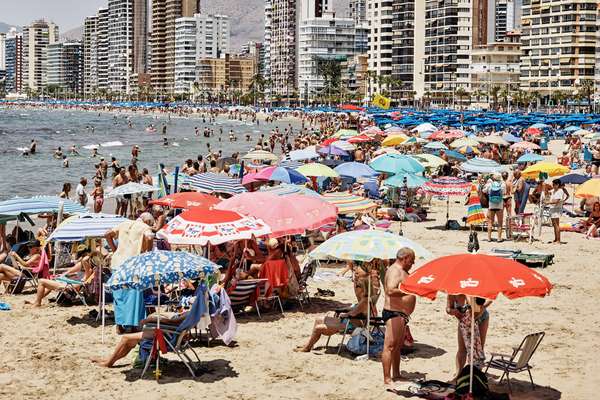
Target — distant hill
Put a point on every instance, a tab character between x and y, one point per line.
4	27
73	34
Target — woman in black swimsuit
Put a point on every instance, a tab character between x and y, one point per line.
593	221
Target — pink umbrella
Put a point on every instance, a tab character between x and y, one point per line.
451	134
201	226
285	215
525	146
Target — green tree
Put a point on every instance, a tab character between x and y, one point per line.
586	91
461	93
331	71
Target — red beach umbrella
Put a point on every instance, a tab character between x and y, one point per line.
187	200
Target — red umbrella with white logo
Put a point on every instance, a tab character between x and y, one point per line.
476	275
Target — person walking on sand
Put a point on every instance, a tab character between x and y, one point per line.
397	308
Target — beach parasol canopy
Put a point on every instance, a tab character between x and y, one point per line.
39	204
209	182
365	245
362	138
308	153
509	137
158	267
462	142
348	203
424	127
83	226
355	170
447	186
589	189
344	145
534	131
475	214
468	150
285	215
482	165
396	163
429	160
285	189
573	179
316	169
332	151
436	146
200	226
443	135
412	180
286	175
345	133
186	200
525	146
476	275
131	188
549	168
493	139
394	140
260	155
530	157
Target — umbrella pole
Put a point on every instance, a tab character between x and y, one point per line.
57	245
447	212
103	304
472	301
157	372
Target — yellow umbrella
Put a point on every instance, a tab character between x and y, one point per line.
316	169
394	140
550	168
589	189
260	155
466	141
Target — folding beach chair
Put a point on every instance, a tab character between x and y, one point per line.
75	288
519	225
178	338
519	360
245	293
307	272
376	323
267	293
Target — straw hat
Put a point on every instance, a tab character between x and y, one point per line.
272	243
497	176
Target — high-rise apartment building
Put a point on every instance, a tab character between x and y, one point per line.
216	75
283	46
90	55
503	16
408	49
65	66
162	39
265	70
452	29
127	38
103	45
321	40
381	40
197	37
36	38
2	51
559	40
358	10
14	62
256	51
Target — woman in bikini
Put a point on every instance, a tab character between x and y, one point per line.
8	273
98	196
458	306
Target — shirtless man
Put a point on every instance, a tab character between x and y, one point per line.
120	180
396	312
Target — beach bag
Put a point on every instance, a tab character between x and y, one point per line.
358	342
496	193
480	383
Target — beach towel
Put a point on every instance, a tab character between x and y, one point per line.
131	237
224	324
465	330
4	306
43	268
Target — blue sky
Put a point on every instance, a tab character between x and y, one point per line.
68	14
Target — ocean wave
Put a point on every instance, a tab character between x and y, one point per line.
116	143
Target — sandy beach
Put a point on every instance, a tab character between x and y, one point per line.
45	352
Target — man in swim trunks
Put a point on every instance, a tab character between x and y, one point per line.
396	312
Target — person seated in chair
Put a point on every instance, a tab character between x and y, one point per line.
83	269
13	271
353	318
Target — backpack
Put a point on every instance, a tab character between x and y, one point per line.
480	383
496	193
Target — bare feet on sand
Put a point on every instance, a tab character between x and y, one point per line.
100	362
301	349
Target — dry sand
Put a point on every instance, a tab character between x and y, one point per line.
45	352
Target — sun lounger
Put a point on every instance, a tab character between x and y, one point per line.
245	293
530	259
519	360
75	288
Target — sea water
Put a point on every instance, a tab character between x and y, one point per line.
43	174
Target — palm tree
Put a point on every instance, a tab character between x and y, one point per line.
331	71
494	90
535	97
586	91
461	93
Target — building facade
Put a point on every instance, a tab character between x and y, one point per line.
216	76
358	11
381	41
408	50
322	40
66	67
162	40
283	47
503	16
36	38
14	62
559	42
2	52
200	36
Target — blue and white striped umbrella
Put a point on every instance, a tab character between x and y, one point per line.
215	183
530	157
131	188
39	204
286	189
290	164
482	165
84	226
159	267
308	153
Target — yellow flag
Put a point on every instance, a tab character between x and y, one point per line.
381	101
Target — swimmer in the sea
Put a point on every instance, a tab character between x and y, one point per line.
58	153
65	162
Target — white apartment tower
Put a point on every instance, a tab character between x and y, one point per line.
559	41
2	51
381	40
321	40
266	66
283	46
198	37
36	38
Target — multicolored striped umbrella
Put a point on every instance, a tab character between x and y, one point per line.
447	186
286	189
349	203
475	213
482	165
365	245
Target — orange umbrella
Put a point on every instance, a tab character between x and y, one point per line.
186	200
